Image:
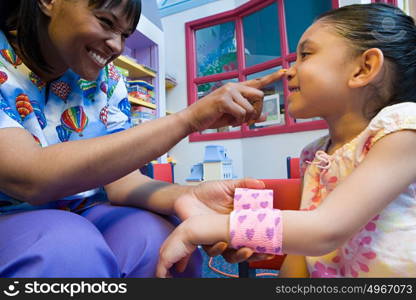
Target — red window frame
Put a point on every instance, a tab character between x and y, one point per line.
392	2
241	73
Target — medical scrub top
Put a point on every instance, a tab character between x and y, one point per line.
67	109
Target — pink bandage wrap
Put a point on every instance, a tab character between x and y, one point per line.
254	223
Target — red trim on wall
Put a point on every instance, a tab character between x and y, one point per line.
192	80
190	63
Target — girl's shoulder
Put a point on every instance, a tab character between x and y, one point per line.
393	118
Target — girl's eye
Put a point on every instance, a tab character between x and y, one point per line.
304	54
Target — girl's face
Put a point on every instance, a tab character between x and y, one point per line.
318	79
83	38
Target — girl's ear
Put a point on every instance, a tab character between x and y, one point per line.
46	6
369	65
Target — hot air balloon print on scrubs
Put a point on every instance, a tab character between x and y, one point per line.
125	107
63	133
11	57
4	106
74	119
23	106
39	83
61	89
88	88
103	87
3	77
113	78
104	115
39	114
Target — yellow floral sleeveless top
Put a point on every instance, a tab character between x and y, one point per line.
386	246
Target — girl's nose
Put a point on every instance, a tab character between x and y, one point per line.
290	73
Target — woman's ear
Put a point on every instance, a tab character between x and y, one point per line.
369	65
46	6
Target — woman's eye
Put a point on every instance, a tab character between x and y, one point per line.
106	21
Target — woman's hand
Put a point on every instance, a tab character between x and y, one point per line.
212	197
217	197
231	104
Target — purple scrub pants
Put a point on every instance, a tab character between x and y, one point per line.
102	241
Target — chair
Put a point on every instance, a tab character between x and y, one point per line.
162	172
286	196
293	167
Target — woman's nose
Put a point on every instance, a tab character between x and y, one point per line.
116	43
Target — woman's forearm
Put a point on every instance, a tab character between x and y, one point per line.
138	190
39	175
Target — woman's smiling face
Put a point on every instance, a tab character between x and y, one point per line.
84	38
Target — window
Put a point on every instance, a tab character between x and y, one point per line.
253	40
215	49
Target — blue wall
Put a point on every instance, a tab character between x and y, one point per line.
169	7
151	11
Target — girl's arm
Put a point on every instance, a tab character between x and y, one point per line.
388	169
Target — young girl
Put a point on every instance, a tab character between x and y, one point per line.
358	216
72	201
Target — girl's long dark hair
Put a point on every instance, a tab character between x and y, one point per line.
389	29
25	15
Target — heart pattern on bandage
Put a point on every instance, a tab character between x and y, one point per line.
254	223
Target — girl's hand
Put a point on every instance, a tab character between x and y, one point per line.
231	104
197	230
176	249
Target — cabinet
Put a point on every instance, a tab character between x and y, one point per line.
141	68
144	59
136	70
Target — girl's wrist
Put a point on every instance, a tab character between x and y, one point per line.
208	229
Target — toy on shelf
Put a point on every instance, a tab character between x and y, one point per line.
216	166
141	114
170	159
141	90
196	174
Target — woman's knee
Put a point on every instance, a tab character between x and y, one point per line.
63	245
135	236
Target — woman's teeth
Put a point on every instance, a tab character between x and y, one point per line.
98	58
